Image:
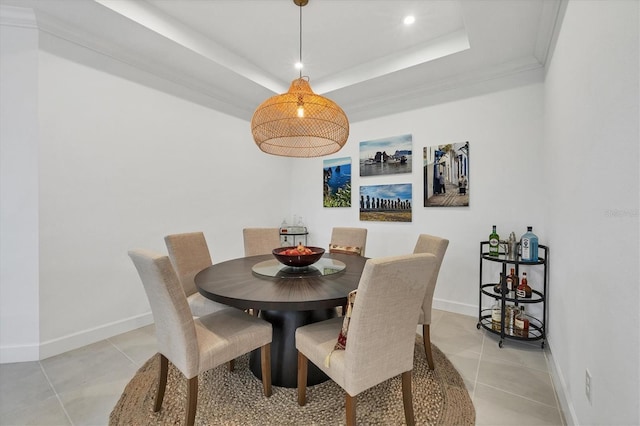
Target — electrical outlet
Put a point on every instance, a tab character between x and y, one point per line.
587	384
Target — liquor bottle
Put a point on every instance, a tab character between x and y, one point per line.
512	281
496	316
494	242
521	324
501	287
529	246
510	312
524	291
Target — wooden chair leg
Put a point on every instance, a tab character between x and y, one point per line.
192	400
302	378
426	338
407	399
350	403
265	360
162	382
232	365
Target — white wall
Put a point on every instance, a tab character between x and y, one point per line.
591	142
19	286
504	130
122	165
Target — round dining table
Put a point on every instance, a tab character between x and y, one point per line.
287	298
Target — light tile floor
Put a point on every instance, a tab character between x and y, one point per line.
509	385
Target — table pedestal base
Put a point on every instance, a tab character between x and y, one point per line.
284	355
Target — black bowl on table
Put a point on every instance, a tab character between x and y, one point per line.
298	260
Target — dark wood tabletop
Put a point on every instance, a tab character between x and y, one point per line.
234	283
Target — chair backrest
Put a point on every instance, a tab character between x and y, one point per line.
436	246
260	240
382	330
189	255
175	328
348	240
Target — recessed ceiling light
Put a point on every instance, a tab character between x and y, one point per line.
408	20
299	65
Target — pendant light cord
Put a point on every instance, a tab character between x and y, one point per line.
301	64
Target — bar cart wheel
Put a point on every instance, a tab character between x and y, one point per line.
500	344
478	326
542	344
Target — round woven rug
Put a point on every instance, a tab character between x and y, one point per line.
235	398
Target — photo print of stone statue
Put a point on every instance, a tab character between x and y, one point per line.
386	203
446	175
386	156
337	182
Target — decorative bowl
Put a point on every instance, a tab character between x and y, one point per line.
299	260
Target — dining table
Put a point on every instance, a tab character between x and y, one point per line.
287	297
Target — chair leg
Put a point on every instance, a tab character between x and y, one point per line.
265	360
192	400
426	338
407	399
350	403
162	382
232	365
302	378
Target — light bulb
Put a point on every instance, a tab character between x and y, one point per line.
408	20
299	65
300	111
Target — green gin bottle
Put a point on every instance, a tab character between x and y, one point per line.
494	242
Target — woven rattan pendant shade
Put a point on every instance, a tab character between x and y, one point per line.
278	128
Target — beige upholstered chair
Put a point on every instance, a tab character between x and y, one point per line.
196	345
348	240
381	336
260	240
189	255
436	246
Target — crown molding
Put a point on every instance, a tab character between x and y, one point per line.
20	17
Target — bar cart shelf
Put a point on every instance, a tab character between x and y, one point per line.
537	325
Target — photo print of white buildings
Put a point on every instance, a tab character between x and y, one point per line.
446	175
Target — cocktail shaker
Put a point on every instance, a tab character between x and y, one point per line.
512	247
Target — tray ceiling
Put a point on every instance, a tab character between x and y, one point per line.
232	54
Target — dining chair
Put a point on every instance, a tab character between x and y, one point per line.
436	246
189	254
348	241
196	345
260	240
381	332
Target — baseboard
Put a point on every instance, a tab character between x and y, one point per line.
456	307
76	340
19	353
560	385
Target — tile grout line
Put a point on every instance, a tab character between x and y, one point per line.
519	396
475	383
528	368
55	392
121	351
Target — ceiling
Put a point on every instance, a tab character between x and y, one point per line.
231	55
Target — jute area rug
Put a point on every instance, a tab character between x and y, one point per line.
235	398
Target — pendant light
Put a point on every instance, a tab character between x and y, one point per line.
299	123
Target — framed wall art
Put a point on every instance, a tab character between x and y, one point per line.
337	182
386	156
446	175
386	203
